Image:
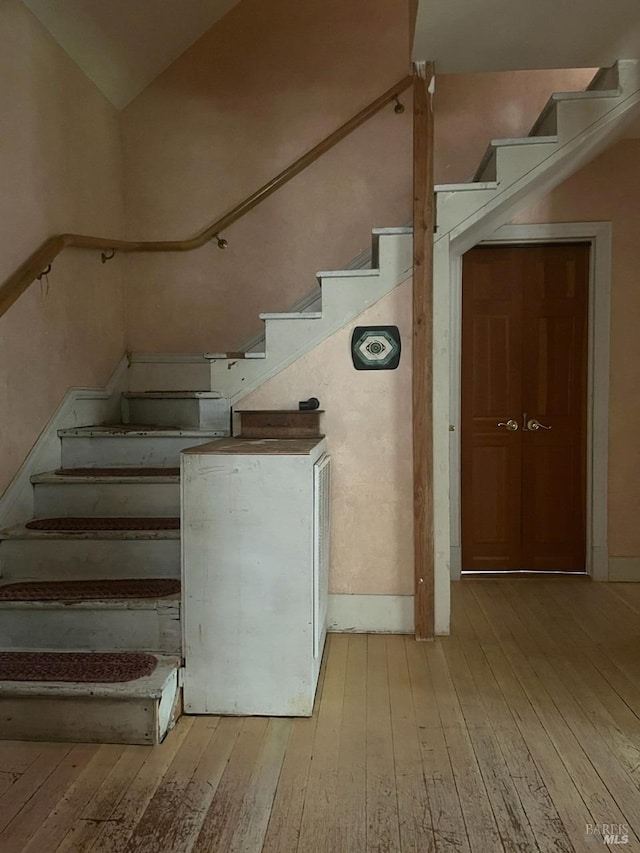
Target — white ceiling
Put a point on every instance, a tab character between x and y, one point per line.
122	45
505	35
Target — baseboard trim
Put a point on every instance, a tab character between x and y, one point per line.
79	407
624	569
370	614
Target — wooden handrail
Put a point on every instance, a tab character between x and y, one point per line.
27	273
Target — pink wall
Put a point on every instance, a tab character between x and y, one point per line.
264	85
367	421
473	109
60	170
258	90
608	189
367	415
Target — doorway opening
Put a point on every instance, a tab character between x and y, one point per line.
587	551
524	408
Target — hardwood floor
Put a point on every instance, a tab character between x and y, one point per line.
520	732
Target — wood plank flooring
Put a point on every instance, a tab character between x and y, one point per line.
519	732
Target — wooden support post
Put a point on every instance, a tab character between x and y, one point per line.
423	230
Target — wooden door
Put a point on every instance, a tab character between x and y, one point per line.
524	360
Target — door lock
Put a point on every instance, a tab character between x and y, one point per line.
511	425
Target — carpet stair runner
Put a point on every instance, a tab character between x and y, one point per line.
90	590
90	635
68	667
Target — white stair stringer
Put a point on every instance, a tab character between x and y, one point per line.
345	295
585	123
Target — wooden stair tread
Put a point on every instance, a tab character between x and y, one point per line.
79	524
132	430
283	412
171	395
291	315
107	475
214	356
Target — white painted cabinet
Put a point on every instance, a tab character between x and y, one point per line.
255	574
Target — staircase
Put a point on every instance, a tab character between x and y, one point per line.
570	131
572	128
90	588
96	577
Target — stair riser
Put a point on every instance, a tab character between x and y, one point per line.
455	207
115	451
86	719
91	559
168	376
488	171
394	252
340	299
549	124
85	629
574	116
607	78
106	499
242	372
515	160
198	413
285	336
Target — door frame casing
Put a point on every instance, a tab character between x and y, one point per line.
598	236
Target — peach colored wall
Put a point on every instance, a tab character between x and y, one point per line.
473	109
367	415
264	85
60	169
367	422
608	189
259	89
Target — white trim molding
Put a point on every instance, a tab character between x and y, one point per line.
598	235
625	569
370	614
